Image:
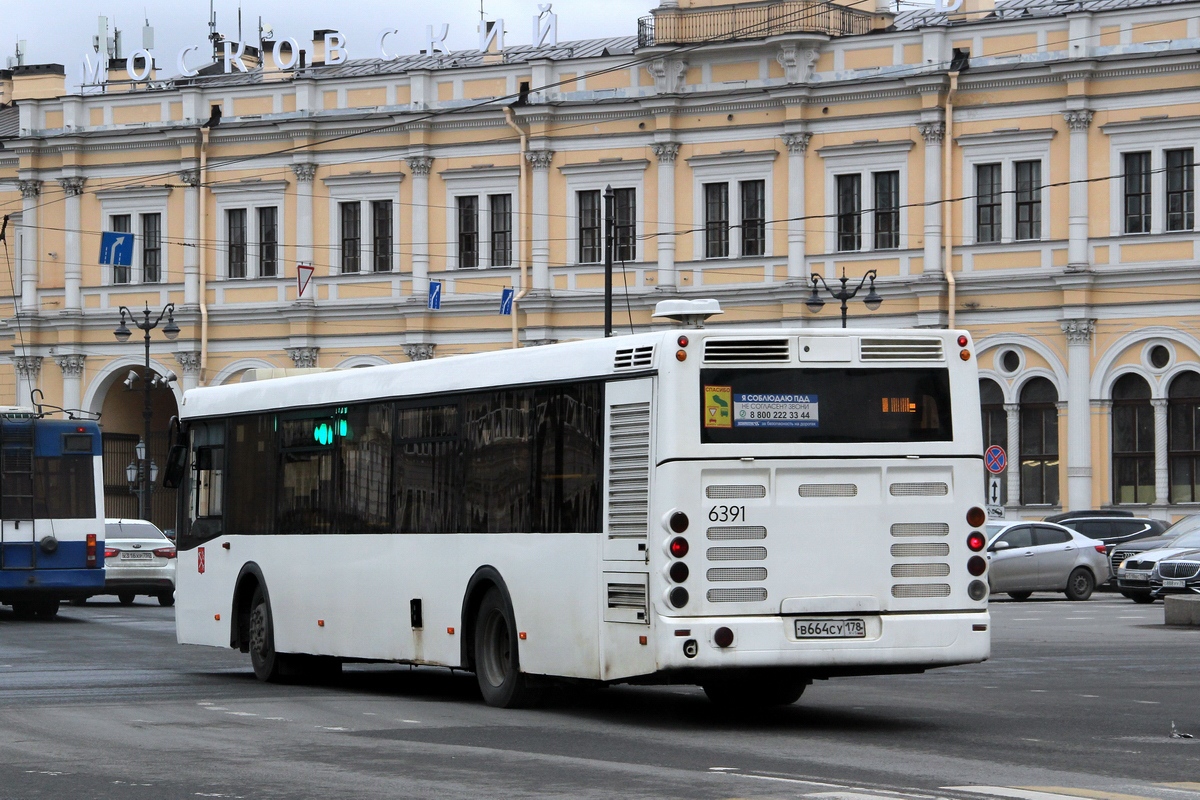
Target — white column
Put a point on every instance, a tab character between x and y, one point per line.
1077	220
72	256
1162	483
1013	472
420	166
1079	409
28	368
72	377
540	161
797	235
189	366
31	191
666	153
304	221
191	236
933	133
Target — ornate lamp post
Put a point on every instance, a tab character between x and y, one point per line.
872	301
170	330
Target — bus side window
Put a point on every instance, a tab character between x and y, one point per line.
209	482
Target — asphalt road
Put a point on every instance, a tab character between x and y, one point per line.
1078	701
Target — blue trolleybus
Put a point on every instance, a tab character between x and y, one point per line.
51	511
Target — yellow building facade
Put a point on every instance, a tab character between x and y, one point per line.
1025	171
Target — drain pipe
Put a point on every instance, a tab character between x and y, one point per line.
947	188
202	244
526	235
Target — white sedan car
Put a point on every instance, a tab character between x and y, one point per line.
1028	557
138	559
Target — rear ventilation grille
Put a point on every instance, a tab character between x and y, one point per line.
925	489
629	471
891	349
727	492
627	595
737	553
723	350
921	590
903	529
828	490
737	574
920	570
920	550
737	532
756	595
634	357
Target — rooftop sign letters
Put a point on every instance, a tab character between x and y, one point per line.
232	55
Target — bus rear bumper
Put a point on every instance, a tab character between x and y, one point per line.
899	642
64	584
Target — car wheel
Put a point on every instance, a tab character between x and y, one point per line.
749	692
47	609
1080	584
1020	595
1144	598
24	610
125	598
166	599
497	662
266	662
79	601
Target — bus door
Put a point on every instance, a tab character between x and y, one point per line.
17	535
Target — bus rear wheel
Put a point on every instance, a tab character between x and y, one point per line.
47	609
266	662
497	663
755	692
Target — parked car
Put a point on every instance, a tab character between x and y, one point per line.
1095	512
1028	557
1135	571
1179	574
1116	530
138	559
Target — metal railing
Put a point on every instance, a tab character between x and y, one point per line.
752	22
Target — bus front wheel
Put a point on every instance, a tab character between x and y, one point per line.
497	664
266	662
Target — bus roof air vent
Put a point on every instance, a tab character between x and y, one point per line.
718	351
634	357
689	312
898	349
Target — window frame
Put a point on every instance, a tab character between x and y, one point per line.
865	160
598	176
135	203
365	189
1145	192
481	183
249	197
1186	192
733	169
1139	457
1005	148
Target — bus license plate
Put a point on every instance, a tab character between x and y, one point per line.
830	629
1174	583
137	556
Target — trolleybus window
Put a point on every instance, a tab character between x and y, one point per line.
825	405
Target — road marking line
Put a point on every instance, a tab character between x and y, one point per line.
1183	786
412	721
1130	617
1090	695
1148	702
1044	793
1093	793
781	780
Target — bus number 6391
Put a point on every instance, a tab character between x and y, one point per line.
727	514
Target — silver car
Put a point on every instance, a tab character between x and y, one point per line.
1135	573
1028	557
138	559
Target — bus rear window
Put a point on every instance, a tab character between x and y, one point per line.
825	405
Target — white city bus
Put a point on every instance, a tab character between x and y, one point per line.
747	510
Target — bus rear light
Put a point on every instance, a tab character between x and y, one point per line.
962	340
683	341
163	552
679	597
977	590
975	541
679	572
678	547
965	355
723	637
111	552
91	550
681	355
679	522
976	566
976	517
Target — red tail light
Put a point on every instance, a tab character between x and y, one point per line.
679	547
165	552
111	552
975	541
1101	549
91	550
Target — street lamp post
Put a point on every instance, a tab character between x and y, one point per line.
872	301
170	330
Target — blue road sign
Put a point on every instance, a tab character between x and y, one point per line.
116	249
506	301
435	295
995	459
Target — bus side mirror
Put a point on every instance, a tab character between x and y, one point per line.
176	461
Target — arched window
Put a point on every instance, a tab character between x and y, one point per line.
1132	441
1039	443
995	425
1183	439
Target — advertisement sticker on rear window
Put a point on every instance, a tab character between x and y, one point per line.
717	400
775	411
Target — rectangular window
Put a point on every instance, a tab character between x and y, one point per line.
235	225
251	456
849	212
988	202
1039	454
364	468
590	247
468	232
304	481
500	232
151	248
754	218
1181	190
716	220
1133	451
1029	199
887	210
1137	192
268	242
121	223
351	218
381	235
425	470
625	224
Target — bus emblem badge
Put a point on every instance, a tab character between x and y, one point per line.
200	560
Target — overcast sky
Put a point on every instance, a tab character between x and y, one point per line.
61	31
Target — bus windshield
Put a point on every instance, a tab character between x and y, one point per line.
840	405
